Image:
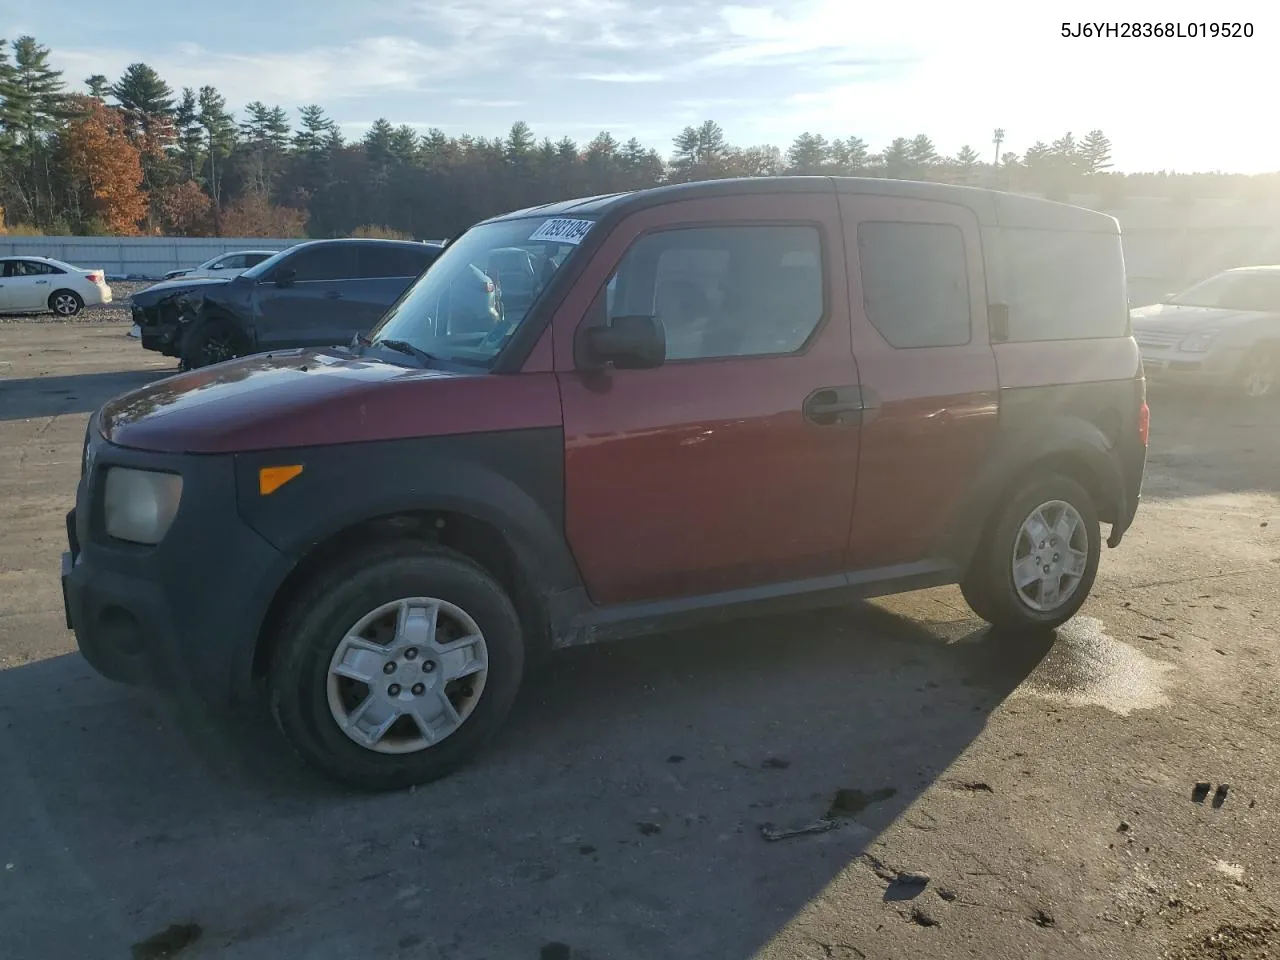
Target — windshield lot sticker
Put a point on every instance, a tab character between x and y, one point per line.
562	230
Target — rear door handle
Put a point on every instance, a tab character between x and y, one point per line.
831	406
41	283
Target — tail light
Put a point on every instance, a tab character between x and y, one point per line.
95	276
1144	422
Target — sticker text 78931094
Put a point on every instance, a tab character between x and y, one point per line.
562	230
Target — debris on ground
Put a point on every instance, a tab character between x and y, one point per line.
947	894
168	942
1124	827
1201	791
1220	795
923	918
675	758
775	763
1231	942
821	825
880	868
976	786
850	803
555	951
1043	918
912	879
648	827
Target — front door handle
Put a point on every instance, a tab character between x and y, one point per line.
333	295
42	283
831	406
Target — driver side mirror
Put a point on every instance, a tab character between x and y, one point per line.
629	343
284	276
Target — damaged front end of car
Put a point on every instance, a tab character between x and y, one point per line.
163	316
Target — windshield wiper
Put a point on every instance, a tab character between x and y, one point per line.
403	346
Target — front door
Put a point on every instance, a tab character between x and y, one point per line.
919	297
311	309
706	474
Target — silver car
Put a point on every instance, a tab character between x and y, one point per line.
1224	332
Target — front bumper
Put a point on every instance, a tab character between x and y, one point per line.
1172	367
159	328
182	616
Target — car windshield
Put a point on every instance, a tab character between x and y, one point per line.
479	291
1233	291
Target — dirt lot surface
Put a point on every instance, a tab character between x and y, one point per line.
1046	791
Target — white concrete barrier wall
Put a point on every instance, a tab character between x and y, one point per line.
146	257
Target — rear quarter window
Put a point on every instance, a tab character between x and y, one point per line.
1064	286
378	262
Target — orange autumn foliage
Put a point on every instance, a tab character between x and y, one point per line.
104	166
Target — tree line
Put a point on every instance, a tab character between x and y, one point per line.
132	155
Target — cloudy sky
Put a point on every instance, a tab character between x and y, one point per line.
766	70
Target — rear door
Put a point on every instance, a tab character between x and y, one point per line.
919	309
706	474
311	309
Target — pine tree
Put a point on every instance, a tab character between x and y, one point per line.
99	86
1095	152
808	154
144	98
191	145
377	141
219	129
922	153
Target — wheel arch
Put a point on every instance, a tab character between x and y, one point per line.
1069	446
479	540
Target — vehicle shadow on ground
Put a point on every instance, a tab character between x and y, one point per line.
620	812
77	393
1202	443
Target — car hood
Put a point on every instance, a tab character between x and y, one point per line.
1175	319
303	398
158	291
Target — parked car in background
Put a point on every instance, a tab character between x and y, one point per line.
319	293
37	284
226	265
1223	332
870	386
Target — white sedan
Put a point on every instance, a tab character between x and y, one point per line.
37	284
226	265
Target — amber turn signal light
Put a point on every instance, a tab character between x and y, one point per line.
271	479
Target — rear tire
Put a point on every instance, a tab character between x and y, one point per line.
321	708
212	342
66	303
1008	584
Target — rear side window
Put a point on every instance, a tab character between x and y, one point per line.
725	291
233	262
379	261
1064	286
336	261
253	259
915	283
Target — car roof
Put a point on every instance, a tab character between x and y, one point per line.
992	207
34	256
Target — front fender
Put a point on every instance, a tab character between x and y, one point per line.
512	481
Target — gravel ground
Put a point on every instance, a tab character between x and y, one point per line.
117	311
989	801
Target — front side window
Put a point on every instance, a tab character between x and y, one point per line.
482	288
233	262
32	268
334	261
728	291
915	283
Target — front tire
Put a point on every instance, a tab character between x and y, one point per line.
396	666
1259	371
66	303
1037	562
212	342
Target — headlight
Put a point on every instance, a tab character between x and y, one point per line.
1198	342
140	504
